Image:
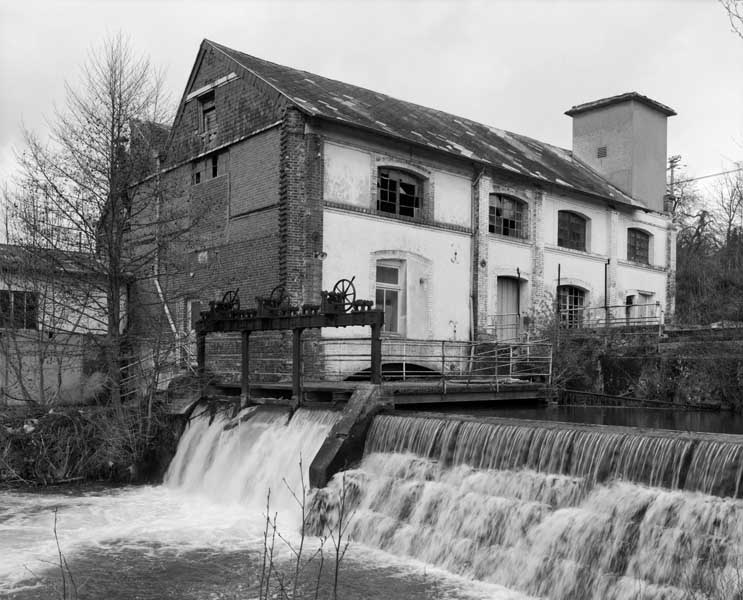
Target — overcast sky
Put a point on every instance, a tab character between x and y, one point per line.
514	65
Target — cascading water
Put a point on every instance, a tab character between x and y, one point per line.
556	511
214	496
239	464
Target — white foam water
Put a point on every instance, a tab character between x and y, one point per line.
214	498
214	495
493	504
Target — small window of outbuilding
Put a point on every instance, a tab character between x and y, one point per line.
19	310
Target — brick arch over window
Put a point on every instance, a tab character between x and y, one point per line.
639	245
508	215
573	230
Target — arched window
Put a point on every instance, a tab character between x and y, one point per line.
571	300
638	246
399	192
507	216
571	230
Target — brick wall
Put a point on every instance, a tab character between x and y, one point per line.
300	209
243	105
254	177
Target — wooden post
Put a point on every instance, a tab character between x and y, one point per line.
376	354
201	361
297	365
201	355
245	369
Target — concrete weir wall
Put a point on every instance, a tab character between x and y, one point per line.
345	442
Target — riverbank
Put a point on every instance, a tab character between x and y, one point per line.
70	444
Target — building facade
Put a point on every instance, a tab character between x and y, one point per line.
459	230
52	313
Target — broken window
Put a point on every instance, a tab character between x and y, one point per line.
571	230
399	193
507	216
638	246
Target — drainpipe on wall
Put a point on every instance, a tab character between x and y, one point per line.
474	261
475	252
156	267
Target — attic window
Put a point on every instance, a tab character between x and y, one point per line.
601	152
208	113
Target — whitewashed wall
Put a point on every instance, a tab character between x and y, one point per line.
437	277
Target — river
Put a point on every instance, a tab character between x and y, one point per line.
437	509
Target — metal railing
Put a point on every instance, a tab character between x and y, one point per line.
619	315
470	362
505	327
340	359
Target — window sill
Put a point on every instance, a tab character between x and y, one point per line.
639	265
510	239
573	252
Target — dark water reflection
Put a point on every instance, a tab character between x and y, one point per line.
656	418
116	573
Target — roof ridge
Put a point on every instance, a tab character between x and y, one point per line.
223	49
436	129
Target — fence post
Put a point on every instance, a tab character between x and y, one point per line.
443	366
510	362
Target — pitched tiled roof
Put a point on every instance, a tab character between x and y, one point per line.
359	107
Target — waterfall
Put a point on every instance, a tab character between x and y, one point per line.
596	454
554	510
239	460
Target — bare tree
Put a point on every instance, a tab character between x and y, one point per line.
734	9
92	193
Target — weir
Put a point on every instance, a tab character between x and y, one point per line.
553	510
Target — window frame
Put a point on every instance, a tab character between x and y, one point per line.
403	177
386	287
207	113
521	218
27	318
632	246
571	302
574	219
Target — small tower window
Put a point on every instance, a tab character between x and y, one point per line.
601	152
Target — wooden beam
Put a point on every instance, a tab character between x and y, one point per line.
201	355
297	365
214	322
376	354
